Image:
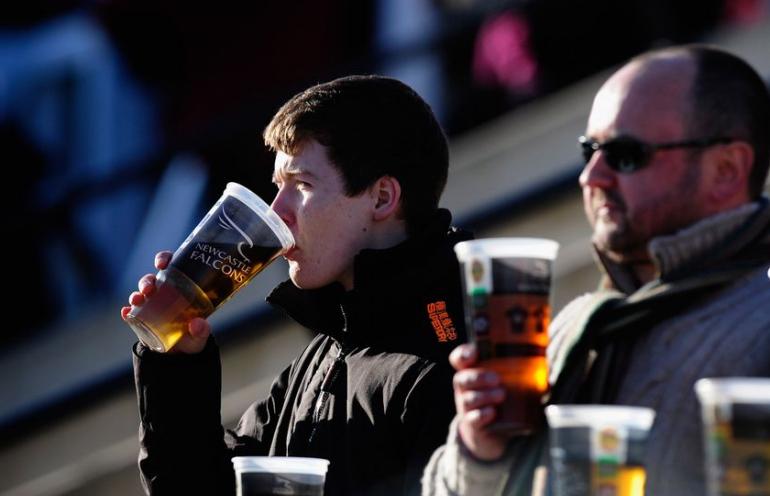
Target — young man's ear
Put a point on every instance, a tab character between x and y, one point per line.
386	193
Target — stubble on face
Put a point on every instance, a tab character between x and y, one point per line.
624	233
627	210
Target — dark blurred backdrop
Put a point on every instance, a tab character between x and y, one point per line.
117	114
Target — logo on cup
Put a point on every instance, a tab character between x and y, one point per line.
477	271
609	439
228	224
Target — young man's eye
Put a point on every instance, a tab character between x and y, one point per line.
303	185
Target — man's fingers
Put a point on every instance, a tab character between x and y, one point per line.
147	284
477	388
463	356
162	259
198	331
475	400
136	298
472	379
479	418
199	328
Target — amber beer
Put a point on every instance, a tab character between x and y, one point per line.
736	423
238	238
515	349
507	285
598	450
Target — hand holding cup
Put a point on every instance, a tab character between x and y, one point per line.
507	285
478	393
198	329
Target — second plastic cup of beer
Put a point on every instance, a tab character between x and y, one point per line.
736	428
507	285
279	475
238	238
598	450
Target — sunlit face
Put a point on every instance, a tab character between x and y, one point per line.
626	210
329	227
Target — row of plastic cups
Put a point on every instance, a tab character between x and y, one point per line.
599	449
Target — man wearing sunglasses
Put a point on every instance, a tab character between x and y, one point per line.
676	159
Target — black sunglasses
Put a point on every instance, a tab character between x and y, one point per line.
626	154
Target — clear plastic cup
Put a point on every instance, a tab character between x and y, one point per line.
736	430
235	241
507	286
598	449
279	475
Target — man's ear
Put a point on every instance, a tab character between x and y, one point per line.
730	172
386	193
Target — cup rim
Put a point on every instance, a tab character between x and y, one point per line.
599	416
711	390
281	464
507	247
261	208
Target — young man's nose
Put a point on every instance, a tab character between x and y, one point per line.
281	206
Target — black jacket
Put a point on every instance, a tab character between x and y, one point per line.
372	392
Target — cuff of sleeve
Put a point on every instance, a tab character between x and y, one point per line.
472	474
153	367
168	384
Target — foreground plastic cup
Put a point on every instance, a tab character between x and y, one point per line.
238	238
507	284
598	450
279	475
736	427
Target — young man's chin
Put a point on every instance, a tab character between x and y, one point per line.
302	282
296	280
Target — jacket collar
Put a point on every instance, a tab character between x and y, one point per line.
701	245
387	285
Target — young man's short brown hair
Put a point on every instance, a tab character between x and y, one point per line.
372	126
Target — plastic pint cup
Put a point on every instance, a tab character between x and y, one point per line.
238	238
507	285
598	450
279	475
736	428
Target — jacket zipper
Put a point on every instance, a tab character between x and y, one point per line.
328	381
326	386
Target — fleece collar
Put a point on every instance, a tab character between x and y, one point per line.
704	244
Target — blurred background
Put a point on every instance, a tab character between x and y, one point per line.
121	121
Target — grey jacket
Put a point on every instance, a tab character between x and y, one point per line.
724	332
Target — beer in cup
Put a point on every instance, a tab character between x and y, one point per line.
736	428
279	475
238	238
507	283
598	450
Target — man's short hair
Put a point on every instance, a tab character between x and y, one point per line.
372	126
728	98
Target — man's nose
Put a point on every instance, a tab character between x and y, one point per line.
281	205
596	173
